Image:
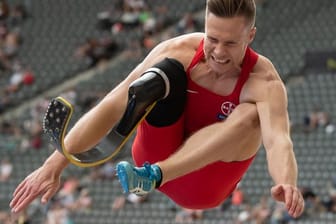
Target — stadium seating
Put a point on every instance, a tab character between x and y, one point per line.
286	30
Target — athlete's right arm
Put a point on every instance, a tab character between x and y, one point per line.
86	133
95	124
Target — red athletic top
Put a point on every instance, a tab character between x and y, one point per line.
211	185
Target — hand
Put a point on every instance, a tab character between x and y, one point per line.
291	196
42	182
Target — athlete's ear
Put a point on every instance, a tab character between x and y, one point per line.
252	34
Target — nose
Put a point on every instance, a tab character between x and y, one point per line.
220	51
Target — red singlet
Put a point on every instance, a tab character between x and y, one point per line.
211	185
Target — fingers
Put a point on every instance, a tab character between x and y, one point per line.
23	195
294	202
17	194
277	192
23	201
26	192
46	196
19	187
288	197
292	198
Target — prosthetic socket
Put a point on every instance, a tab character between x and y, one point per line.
164	85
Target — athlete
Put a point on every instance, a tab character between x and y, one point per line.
196	153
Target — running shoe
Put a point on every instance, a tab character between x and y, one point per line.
138	180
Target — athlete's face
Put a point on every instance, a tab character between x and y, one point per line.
226	40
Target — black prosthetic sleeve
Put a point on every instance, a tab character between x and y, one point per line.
164	83
169	109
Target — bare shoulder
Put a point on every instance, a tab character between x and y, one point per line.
265	70
263	80
181	48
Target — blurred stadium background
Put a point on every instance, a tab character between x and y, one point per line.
81	49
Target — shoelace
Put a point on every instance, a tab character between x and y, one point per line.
150	171
147	175
147	172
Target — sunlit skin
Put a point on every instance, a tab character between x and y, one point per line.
258	116
225	43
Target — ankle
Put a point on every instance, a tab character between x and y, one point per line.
158	175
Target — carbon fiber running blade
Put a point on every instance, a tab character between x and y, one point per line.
55	121
55	125
95	154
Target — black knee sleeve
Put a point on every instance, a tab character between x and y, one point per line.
164	83
169	109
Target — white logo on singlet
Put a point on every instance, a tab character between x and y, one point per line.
191	91
227	108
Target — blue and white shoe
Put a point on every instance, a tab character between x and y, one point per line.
138	180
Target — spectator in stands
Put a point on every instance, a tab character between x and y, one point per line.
120	201
316	118
313	202
21	76
330	202
187	24
33	134
67	193
11	44
9	128
261	212
237	197
6	169
105	171
278	215
15	80
96	50
4	10
58	214
5	217
5	102
130	17
84	201
188	215
18	15
244	216
148	21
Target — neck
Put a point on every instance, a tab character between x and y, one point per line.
234	72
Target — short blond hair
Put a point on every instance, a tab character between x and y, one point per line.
232	8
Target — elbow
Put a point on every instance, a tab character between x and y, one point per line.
281	142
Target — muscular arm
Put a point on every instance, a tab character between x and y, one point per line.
275	131
281	160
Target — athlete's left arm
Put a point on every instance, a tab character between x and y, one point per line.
274	121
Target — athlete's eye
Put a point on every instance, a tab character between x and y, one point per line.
212	40
231	43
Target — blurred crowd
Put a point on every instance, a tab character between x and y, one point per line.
13	73
74	194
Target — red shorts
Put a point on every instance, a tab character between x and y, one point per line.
205	188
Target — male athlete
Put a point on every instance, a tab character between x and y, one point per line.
198	152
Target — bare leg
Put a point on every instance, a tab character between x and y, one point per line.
238	138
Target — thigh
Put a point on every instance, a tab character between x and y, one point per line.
153	144
245	128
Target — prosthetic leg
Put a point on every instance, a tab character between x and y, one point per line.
153	94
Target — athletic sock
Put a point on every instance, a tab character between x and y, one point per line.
158	175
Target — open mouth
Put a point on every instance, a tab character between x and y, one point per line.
220	61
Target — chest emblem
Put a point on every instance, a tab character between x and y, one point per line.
227	108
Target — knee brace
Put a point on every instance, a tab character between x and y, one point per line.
165	85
